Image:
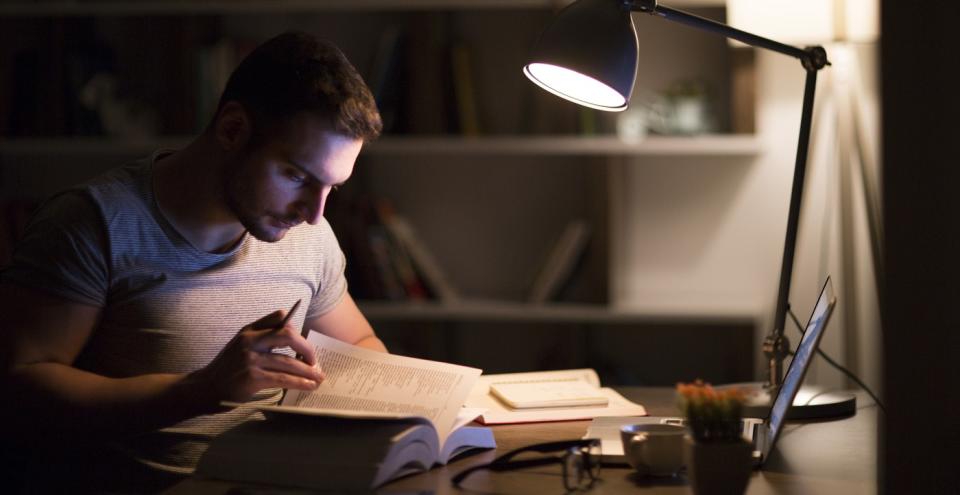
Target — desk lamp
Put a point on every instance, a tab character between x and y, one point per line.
588	55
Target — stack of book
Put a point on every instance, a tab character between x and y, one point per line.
422	79
386	259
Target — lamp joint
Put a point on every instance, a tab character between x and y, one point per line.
776	347
815	58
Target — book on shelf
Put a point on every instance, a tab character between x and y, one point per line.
383	252
560	264
350	215
214	64
386	76
375	417
400	261
567	385
427	87
385	258
464	92
422	258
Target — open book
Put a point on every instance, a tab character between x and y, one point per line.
565	384
375	418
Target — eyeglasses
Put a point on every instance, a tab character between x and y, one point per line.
580	461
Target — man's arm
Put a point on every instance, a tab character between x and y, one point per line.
42	335
346	323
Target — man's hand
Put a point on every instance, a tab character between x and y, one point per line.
248	364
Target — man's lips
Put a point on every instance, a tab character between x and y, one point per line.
283	224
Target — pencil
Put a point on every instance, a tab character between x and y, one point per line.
290	313
287	319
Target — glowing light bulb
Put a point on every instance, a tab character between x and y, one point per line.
576	87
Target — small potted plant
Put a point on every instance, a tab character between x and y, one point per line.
719	459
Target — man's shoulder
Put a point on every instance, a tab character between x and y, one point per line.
98	199
128	179
73	206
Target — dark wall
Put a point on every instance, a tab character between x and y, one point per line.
921	323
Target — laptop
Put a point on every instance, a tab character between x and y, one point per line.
763	433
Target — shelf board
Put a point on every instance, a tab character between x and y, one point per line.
498	311
705	146
220	7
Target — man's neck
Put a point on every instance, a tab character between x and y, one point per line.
189	191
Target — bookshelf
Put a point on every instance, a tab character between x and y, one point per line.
506	193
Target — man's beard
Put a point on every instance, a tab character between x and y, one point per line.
235	190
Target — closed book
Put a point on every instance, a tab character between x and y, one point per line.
575	381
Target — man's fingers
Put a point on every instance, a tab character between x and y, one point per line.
287	338
290	366
269	379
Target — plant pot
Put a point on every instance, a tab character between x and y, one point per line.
718	468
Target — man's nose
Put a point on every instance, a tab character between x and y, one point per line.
315	205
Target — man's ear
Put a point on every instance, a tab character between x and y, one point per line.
233	126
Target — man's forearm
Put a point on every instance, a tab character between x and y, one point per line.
68	402
372	342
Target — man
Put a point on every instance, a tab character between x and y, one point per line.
138	302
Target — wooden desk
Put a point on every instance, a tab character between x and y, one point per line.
813	457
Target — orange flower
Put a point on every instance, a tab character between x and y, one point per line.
713	415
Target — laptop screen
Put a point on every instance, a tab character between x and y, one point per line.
799	364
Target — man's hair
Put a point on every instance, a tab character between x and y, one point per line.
295	72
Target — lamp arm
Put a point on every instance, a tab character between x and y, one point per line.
776	346
816	59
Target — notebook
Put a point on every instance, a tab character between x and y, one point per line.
762	433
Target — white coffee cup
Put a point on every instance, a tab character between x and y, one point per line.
654	449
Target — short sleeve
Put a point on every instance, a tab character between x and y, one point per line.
333	282
64	251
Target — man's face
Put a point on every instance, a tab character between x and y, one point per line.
286	179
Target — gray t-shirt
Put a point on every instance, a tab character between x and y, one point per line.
167	307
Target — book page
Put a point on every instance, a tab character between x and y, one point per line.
360	381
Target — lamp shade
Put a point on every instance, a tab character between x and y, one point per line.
588	55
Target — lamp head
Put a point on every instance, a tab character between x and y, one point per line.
588	55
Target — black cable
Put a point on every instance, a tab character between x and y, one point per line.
836	365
